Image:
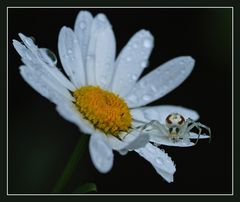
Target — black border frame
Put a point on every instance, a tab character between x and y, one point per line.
204	3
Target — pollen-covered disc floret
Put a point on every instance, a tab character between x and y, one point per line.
105	110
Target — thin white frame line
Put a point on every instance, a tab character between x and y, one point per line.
232	194
233	101
119	7
7	103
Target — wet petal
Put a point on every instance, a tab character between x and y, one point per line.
129	142
35	57
44	85
71	56
69	112
162	163
82	30
105	56
101	153
160	81
158	139
131	62
197	136
159	113
99	25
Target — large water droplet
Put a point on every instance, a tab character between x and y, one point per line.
147	43
48	56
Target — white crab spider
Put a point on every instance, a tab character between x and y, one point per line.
175	128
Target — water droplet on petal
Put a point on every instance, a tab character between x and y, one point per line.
33	39
82	25
103	80
128	59
147	43
28	56
69	51
135	45
48	56
134	77
146	97
154	89
159	161
144	64
183	71
132	98
101	17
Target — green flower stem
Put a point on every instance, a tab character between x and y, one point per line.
72	164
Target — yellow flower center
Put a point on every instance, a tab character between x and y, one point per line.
105	110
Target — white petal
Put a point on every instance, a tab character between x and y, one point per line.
197	136
131	62
100	152
99	24
163	140
115	143
33	56
159	160
159	113
69	112
134	141
44	85
130	141
82	30
71	57
160	81
105	56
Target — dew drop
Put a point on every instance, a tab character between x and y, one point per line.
101	17
48	56
144	64
183	71
134	77
146	97
82	25
147	43
69	51
33	39
135	45
128	59
103	80
159	161
132	98
28	56
154	89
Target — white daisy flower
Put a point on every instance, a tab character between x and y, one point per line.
102	95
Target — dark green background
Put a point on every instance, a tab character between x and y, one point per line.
40	141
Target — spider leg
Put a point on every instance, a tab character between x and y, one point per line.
199	126
207	128
187	127
157	126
